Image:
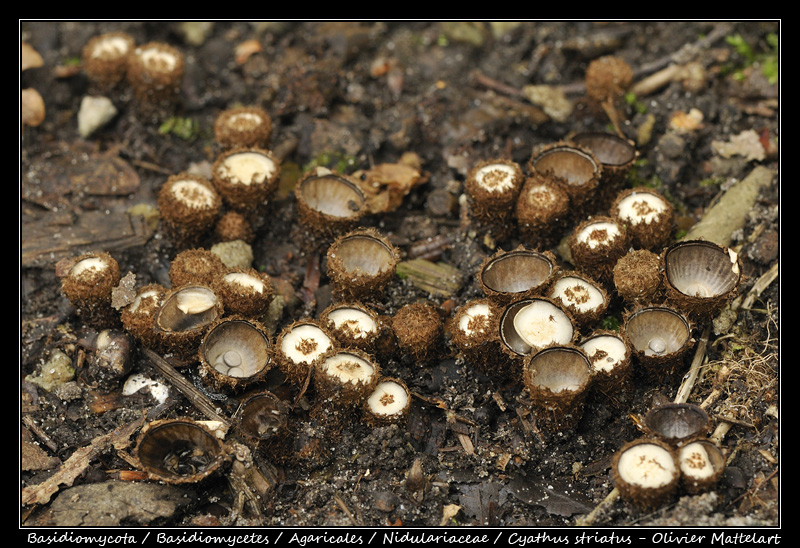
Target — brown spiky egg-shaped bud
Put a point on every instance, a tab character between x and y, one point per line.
637	276
178	451
246	178
138	318
346	376
360	264
189	205
646	473
493	187
231	226
389	403
585	298
155	72
647	215
473	331
262	417
245	126
88	285
185	314
105	59
576	169
245	291
542	211
675	423
617	154
329	204
196	265
660	338
701	277
517	274
419	331
235	352
352	324
611	358
299	346
557	378
597	244
702	464
530	325
608	78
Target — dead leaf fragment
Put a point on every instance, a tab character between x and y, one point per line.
747	144
448	513
31	107
385	185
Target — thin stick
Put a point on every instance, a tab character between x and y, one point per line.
699	355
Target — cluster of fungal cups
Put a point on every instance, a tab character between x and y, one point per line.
538	320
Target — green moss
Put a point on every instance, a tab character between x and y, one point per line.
184	128
337	161
768	61
610	323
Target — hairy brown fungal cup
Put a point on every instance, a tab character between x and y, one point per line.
231	226
617	156
419	330
245	126
701	277
577	170
235	352
179	451
299	346
585	298
246	178
88	285
472	329
647	215
388	403
660	338
516	274
138	318
611	359
557	378
493	187
329	204
105	59
646	473
352	324
245	291
702	464
195	265
189	205
262	416
155	72
676	423
597	244
346	376
360	264
185	314
542	211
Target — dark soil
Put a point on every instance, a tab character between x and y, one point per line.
352	96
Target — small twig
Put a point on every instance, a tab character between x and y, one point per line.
346	510
589	519
182	385
699	355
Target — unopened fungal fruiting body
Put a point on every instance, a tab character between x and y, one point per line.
660	338
676	423
617	155
701	277
597	244
245	291
585	299
88	285
493	186
419	331
352	324
542	211
105	59
637	276
196	265
646	473
246	178
360	264
178	451
607	79
473	331
189	206
185	314
576	169
234	353
155	72
329	204
647	215
610	356
512	275
139	317
557	378
246	126
346	376
231	226
388	403
299	346
702	464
